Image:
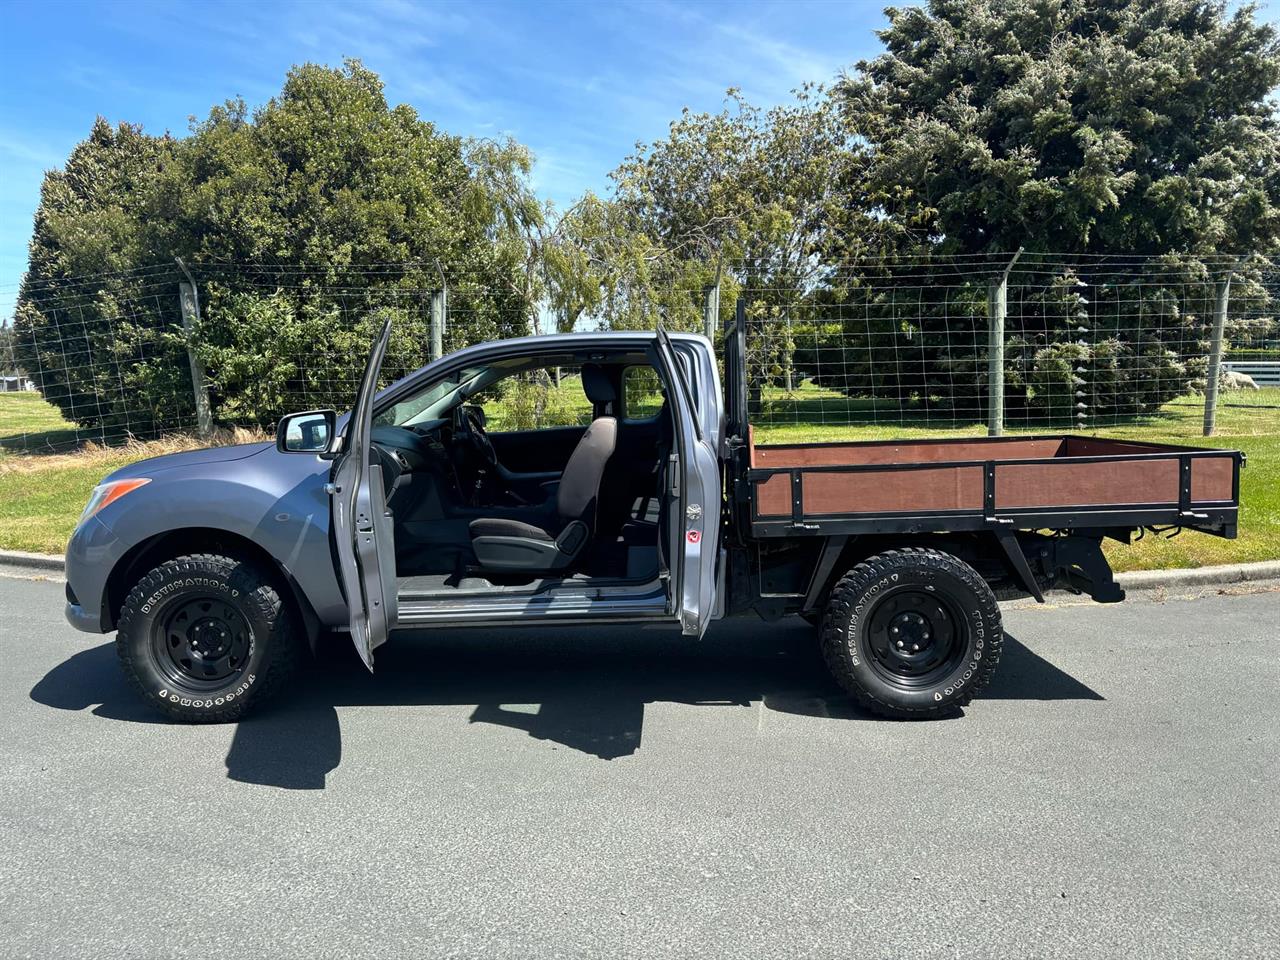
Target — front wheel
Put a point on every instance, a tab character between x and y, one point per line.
206	637
912	633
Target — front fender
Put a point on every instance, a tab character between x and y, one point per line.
277	501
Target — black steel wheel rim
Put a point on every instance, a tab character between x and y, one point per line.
201	642
915	636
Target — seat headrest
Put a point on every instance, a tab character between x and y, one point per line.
597	385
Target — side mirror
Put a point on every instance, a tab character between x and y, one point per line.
310	432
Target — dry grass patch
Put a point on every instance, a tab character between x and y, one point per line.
92	453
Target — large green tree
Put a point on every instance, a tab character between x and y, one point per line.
744	196
89	319
305	221
1141	126
1068	127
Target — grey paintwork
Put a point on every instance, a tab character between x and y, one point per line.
278	501
361	524
696	508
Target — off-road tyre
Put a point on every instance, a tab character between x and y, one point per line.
900	599
205	638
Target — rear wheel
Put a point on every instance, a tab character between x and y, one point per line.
912	633
206	637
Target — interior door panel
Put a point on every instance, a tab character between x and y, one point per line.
363	532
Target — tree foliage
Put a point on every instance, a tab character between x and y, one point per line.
85	325
745	197
1078	127
1072	126
752	194
331	205
1068	126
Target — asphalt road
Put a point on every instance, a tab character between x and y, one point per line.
629	794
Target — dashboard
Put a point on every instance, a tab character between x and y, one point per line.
421	448
413	443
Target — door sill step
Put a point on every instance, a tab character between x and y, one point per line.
529	610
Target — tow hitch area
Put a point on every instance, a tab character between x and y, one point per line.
1076	563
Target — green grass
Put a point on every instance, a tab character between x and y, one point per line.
41	495
40	502
29	422
43	488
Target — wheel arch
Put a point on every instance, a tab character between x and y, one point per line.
980	550
154	550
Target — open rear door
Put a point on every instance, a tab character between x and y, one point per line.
362	528
694	487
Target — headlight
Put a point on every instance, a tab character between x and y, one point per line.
105	493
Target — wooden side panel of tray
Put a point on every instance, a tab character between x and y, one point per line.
1136	474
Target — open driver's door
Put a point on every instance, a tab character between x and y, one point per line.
693	482
362	528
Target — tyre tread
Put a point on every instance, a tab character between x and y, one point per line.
258	588
850	587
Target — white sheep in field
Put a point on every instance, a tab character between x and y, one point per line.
1234	380
1230	380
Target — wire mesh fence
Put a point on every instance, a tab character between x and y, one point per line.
890	344
107	359
1084	345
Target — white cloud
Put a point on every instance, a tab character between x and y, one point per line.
29	151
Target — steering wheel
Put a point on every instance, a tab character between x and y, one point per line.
470	430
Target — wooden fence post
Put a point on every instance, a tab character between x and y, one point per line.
1214	373
438	307
997	311
439	315
711	311
189	302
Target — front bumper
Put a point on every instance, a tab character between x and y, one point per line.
85	622
91	555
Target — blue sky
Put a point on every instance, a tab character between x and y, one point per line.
580	83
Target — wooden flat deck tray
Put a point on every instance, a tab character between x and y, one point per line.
1029	482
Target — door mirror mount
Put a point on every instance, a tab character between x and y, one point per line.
314	432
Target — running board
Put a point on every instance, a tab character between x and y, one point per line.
526	610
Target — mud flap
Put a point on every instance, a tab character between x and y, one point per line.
1018	560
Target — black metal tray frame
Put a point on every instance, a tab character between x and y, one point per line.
1216	517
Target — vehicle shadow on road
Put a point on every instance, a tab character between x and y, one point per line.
582	689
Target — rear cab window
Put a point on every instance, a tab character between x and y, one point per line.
642	395
536	399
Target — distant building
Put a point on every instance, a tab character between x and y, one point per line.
11	383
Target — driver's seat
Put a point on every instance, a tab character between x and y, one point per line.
545	543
